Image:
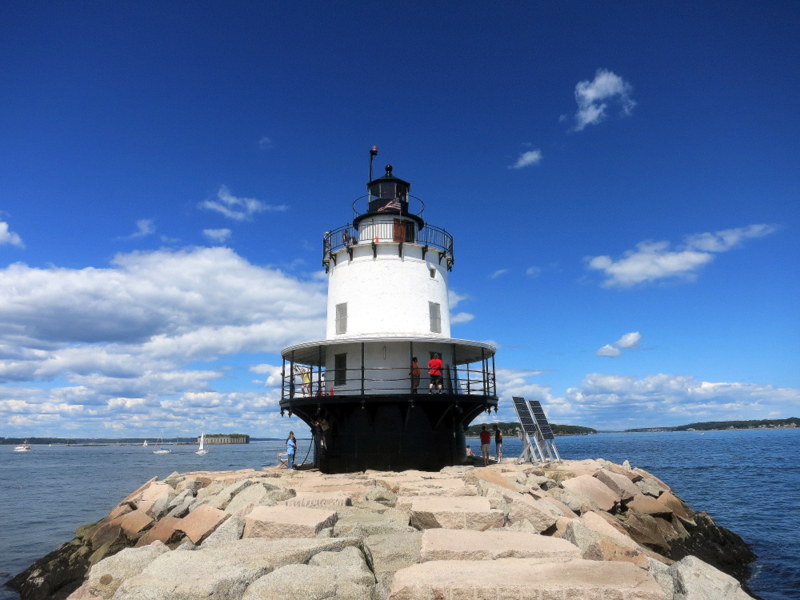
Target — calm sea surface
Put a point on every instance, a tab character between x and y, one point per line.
748	481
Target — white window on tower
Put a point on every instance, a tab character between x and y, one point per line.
341	318
436	317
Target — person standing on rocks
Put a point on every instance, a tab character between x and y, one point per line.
291	446
486	440
498	443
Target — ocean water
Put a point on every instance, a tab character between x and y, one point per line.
748	481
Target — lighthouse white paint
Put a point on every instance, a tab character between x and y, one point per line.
387	294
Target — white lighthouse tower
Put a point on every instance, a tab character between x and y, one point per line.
388	310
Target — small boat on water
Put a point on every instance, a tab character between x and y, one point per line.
145	444
161	449
23	447
201	450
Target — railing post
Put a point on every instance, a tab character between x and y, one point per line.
362	368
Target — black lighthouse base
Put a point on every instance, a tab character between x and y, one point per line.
355	433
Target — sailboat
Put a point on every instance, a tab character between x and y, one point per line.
145	444
161	449
23	447
201	450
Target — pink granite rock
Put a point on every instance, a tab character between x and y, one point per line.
162	531
466	544
201	521
460	512
287	521
648	505
135	521
619	484
540	514
577	579
595	489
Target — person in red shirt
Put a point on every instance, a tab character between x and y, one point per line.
486	439
435	367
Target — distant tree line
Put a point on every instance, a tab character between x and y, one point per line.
509	428
717	425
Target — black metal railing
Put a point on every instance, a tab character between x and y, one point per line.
348	236
300	381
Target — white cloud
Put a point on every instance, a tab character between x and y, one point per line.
265	142
626	342
455	298
238	209
462	317
593	98
498	273
144	227
527	159
609	350
217	235
533	271
629	340
123	343
654	261
620	402
9	237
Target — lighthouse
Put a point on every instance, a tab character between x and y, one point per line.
367	390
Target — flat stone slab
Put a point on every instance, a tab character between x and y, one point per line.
135	521
590	486
460	512
465	544
287	522
539	513
577	579
164	529
201	521
312	499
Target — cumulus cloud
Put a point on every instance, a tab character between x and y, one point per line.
236	208
139	340
620	402
498	273
626	342
527	159
9	237
593	98
217	235
653	261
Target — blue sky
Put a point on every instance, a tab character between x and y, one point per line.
620	179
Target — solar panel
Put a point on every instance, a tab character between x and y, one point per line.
525	418
541	419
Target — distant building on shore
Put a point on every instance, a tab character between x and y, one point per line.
231	438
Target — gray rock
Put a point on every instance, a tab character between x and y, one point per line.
388	553
229	531
697	580
350	561
221	572
663	577
107	575
251	495
649	487
360	523
382	495
308	582
221	498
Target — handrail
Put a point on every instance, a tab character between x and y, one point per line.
370	381
346	236
369	198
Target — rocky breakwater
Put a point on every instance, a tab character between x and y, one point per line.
576	530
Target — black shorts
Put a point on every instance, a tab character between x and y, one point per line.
436	380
